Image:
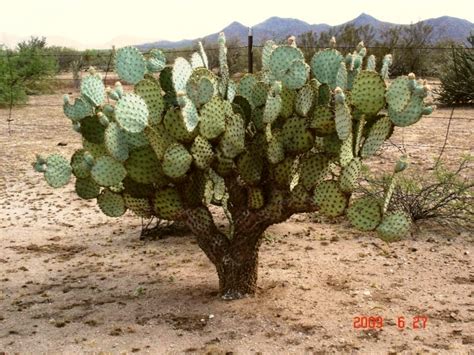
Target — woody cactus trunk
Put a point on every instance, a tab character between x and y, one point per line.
287	140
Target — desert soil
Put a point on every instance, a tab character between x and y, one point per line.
74	281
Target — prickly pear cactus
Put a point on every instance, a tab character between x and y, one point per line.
182	137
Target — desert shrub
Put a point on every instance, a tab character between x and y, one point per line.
26	71
444	196
457	79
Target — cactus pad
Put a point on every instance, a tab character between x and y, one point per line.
365	214
255	198
131	113
296	137
394	227
150	91
140	206
159	140
79	165
398	94
156	61
313	169
202	152
411	113
368	92
176	127
325	66
108	171
130	64
304	100
288	99
377	135
212	118
115	142
250	168
176	161
349	175
79	110
233	140
330	199
87	188
111	204
287	65
143	166
323	121
58	171
92	130
181	73
93	89
167	204
272	108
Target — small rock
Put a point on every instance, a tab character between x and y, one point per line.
211	316
366	293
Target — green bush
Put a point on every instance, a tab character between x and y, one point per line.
25	71
457	81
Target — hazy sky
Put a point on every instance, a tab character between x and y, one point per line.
98	21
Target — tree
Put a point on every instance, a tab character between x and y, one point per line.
25	71
275	144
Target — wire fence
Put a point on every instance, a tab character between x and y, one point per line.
241	60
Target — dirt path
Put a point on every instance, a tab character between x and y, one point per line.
73	280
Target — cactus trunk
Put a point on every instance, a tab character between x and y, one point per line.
238	274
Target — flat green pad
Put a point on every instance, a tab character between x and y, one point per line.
330	199
287	65
167	204
256	199
245	88
92	130
343	121
79	165
394	227
233	140
365	214
304	100
111	204
268	48
272	108
136	189
200	90
140	206
87	188
115	142
130	65
143	166
176	126
156	61
58	171
275	150
176	161
349	175
259	94
410	115
150	91
202	152
79	110
377	135
93	89
212	122
313	169
368	92
250	168
181	73
288	99
135	140
107	171
296	137
96	150
323	121
346	152
325	66
282	172
131	113
159	140
398	94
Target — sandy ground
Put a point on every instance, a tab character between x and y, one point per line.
73	280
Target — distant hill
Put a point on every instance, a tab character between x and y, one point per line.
444	27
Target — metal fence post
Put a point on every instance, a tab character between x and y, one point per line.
250	51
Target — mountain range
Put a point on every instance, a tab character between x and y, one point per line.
277	28
444	28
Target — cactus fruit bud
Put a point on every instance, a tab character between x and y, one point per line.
92	70
76	126
277	87
332	42
360	45
66	99
339	95
401	164
292	41
412	76
89	159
